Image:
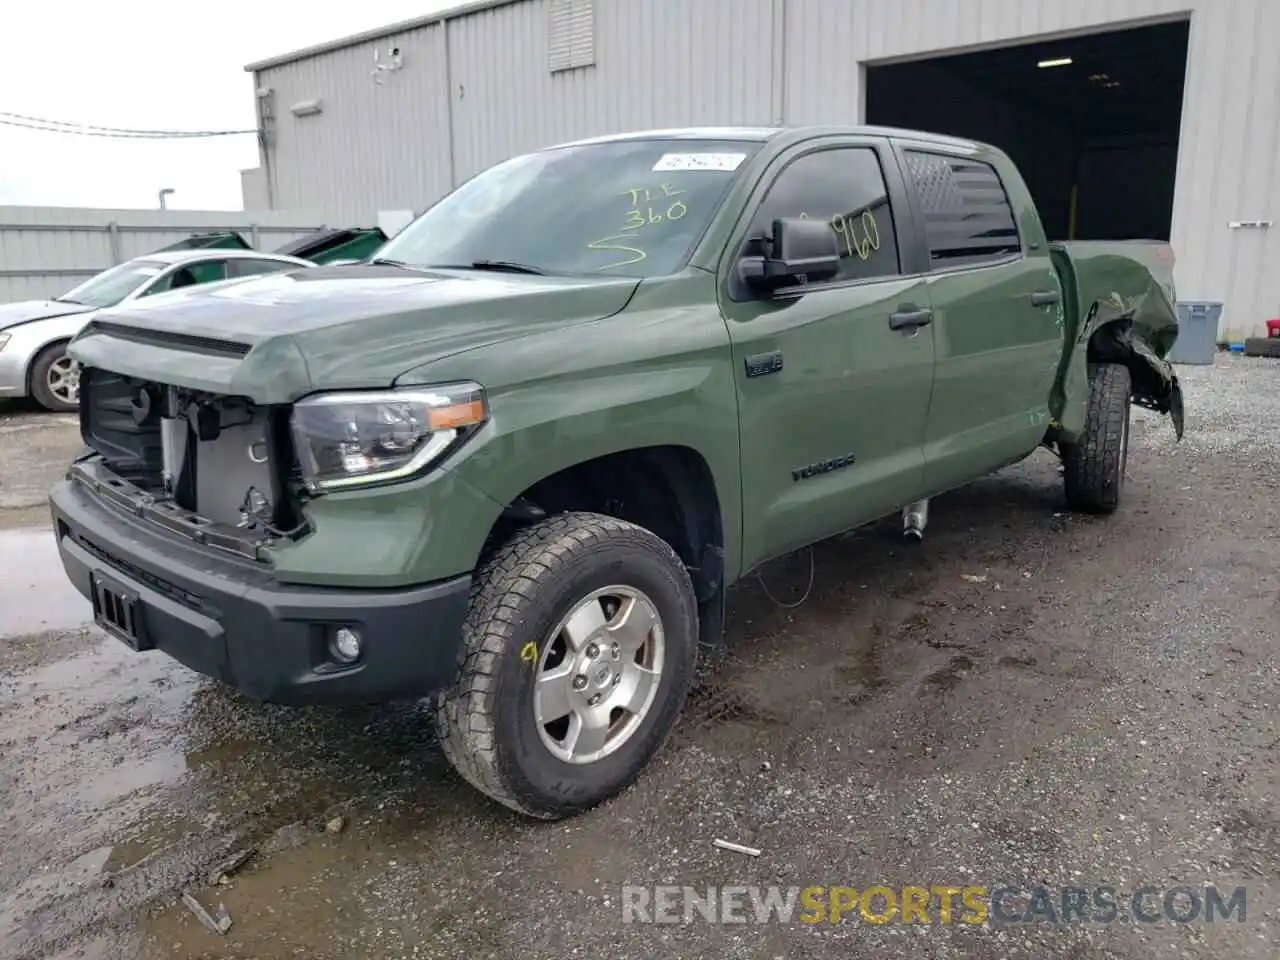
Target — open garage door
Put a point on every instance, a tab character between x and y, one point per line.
1092	121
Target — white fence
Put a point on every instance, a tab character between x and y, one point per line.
44	251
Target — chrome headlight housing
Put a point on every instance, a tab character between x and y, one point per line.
357	438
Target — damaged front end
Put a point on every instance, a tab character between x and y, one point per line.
217	469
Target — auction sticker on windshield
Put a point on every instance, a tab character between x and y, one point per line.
700	161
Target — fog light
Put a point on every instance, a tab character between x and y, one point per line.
346	645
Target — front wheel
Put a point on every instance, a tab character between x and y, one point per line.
55	379
579	649
1094	466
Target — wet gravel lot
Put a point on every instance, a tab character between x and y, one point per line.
1025	698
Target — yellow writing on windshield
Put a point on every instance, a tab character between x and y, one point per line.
634	193
647	206
607	243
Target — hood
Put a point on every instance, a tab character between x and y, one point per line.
277	337
12	314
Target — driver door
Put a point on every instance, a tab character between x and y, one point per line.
833	392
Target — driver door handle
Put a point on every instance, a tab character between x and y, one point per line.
1044	298
910	317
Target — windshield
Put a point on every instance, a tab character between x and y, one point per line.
632	208
111	286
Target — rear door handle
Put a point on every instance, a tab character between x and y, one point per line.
1044	298
909	318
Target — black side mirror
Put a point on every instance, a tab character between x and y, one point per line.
801	251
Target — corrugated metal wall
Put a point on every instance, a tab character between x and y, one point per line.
44	251
479	88
381	139
657	63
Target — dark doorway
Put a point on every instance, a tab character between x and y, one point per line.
1091	121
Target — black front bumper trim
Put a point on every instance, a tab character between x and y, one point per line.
227	618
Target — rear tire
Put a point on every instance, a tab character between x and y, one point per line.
539	607
55	379
1094	466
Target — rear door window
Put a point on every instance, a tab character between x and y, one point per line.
189	275
208	271
254	268
968	218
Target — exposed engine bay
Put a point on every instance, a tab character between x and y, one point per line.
214	459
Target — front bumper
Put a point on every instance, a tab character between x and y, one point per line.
229	619
15	358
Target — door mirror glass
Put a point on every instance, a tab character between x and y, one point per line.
800	251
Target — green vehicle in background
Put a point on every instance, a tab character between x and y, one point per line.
325	245
514	460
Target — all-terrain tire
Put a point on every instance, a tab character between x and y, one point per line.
1094	467
39	374
486	722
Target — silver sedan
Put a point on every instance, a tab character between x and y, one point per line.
34	334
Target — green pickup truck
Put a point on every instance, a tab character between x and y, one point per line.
513	461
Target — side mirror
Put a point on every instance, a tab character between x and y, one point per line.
802	251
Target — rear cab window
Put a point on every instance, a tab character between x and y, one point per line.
968	218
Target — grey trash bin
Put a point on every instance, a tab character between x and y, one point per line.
1197	332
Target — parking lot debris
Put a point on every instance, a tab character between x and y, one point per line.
735	847
335	825
221	874
219	924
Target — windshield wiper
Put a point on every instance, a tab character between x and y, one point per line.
78	303
511	266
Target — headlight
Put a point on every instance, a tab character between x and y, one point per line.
350	439
4	338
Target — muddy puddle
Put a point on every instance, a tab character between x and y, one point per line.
35	594
126	776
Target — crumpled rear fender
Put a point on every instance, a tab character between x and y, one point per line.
1120	309
1155	384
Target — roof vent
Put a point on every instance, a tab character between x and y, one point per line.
571	28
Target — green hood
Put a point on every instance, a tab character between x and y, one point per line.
278	337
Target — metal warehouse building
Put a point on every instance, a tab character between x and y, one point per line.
1129	118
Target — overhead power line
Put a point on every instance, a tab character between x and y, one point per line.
94	130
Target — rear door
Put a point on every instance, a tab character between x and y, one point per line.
997	321
833	393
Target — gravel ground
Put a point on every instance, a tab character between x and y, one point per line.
1027	698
